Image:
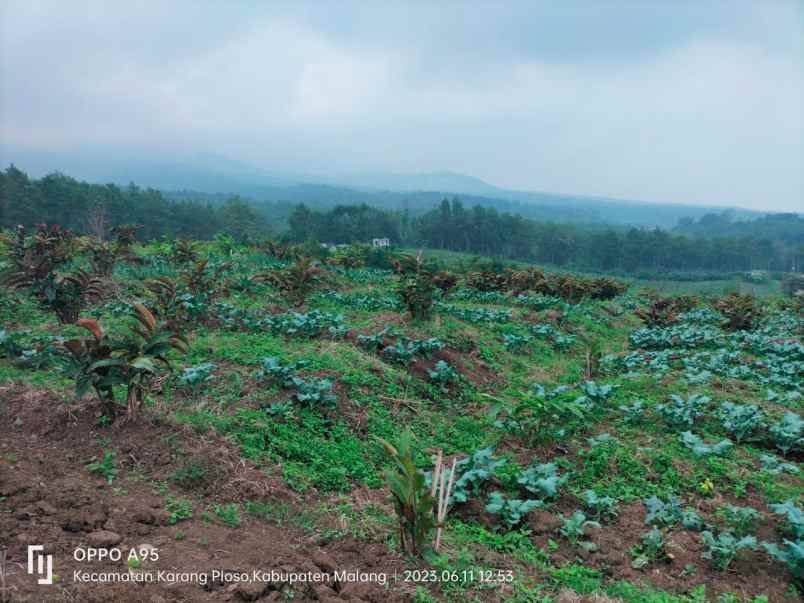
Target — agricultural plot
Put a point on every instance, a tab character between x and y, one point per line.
249	408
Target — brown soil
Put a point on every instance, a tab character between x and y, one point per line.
48	497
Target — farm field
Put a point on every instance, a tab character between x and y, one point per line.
249	407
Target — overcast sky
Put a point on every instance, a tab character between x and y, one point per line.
668	101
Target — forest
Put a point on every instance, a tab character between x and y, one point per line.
713	243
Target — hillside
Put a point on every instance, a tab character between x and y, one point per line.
606	444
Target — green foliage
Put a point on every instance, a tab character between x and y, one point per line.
741	420
682	412
774	466
296	281
794	516
651	548
106	467
195	376
311	393
602	508
415	285
699	448
473	472
574	527
517	343
412	500
442	373
542	480
791	554
742	520
228	514
633	413
788	433
661	513
724	548
179	509
511	510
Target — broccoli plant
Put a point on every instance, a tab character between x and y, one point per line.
442	373
791	554
651	548
601	507
699	448
474	471
724	548
682	412
633	413
741	420
542	480
774	466
272	368
574	527
788	433
660	513
740	519
794	516
517	343
308	392
511	510
597	393
195	376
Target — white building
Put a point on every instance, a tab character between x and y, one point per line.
380	242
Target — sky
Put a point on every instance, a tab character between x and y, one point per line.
693	102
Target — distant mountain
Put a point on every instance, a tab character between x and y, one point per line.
212	177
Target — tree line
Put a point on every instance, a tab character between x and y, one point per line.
775	243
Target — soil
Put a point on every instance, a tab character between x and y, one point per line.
48	497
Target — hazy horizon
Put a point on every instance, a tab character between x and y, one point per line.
693	103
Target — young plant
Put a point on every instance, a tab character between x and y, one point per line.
652	548
296	281
195	376
788	433
741	420
681	412
740	519
415	285
442	373
542	480
511	510
724	548
791	554
106	467
633	413
602	508
660	513
413	500
474	471
574	527
794	516
774	466
699	448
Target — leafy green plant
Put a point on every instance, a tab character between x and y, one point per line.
774	466
415	285
601	507
724	548
511	510
788	433
106	467
699	448
542	480
412	499
517	343
682	412
652	548
473	471
195	376
133	360
661	513
741	420
228	514
741	520
178	509
794	516
791	554
574	527
442	373
633	413
296	281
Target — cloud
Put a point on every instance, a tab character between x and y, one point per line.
689	102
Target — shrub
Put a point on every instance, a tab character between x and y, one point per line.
415	285
296	281
741	312
134	360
